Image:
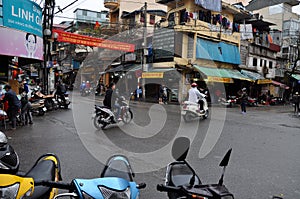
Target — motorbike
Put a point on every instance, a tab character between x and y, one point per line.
19	185
85	92
38	107
116	181
229	102
49	100
182	181
62	103
104	116
190	110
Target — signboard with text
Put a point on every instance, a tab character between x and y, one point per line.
24	15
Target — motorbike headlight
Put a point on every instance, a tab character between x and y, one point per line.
86	196
108	193
127	192
10	191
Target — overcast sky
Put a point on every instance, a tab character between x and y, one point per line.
95	5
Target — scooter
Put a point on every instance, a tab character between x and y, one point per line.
17	185
182	181
62	103
190	110
38	107
49	100
116	182
104	116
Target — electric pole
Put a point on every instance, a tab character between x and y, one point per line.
144	68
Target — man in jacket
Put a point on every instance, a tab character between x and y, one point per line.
14	105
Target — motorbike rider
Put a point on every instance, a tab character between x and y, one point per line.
82	86
195	96
109	98
61	90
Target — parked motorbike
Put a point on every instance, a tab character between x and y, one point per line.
62	103
105	116
191	111
17	185
116	181
183	182
49	100
230	101
38	107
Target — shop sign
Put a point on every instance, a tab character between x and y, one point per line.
24	15
153	75
20	44
264	81
219	79
73	38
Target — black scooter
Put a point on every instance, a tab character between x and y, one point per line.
183	182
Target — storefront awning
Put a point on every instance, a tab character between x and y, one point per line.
280	84
222	75
296	76
256	77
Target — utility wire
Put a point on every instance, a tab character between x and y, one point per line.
60	10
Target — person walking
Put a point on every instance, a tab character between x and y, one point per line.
25	109
14	105
244	98
296	101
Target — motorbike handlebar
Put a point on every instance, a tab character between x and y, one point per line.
52	184
164	188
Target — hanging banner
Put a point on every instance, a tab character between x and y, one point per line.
73	38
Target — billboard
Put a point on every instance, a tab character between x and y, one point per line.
24	15
20	44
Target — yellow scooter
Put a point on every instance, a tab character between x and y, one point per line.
14	185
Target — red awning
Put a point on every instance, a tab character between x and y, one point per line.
280	84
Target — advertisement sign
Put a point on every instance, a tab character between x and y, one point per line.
163	43
20	44
24	15
153	75
72	38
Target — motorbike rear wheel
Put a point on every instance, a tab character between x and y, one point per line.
98	123
206	115
127	116
188	117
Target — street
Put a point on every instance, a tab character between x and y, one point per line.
265	160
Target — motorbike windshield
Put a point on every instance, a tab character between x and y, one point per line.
118	166
180	174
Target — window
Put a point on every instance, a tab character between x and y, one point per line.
261	62
254	61
270	64
265	63
152	19
84	13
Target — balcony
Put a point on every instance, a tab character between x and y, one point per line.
111	4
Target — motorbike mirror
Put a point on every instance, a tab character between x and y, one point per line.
226	158
180	148
141	186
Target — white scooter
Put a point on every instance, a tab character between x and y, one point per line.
191	110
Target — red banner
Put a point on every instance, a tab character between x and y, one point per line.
73	38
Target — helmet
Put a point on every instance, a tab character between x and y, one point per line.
194	84
244	89
9	160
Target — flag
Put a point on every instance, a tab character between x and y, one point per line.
214	5
97	25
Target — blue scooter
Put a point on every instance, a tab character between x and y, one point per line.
116	181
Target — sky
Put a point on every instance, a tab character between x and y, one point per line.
95	5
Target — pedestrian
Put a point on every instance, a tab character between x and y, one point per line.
164	94
296	101
61	90
25	109
14	105
196	97
244	98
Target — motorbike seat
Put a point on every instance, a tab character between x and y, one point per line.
43	170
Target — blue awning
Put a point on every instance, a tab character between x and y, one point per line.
217	51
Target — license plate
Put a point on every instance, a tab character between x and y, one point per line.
44	109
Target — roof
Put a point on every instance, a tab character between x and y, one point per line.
102	11
259	4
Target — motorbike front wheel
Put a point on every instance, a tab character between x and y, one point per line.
98	123
127	116
188	117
